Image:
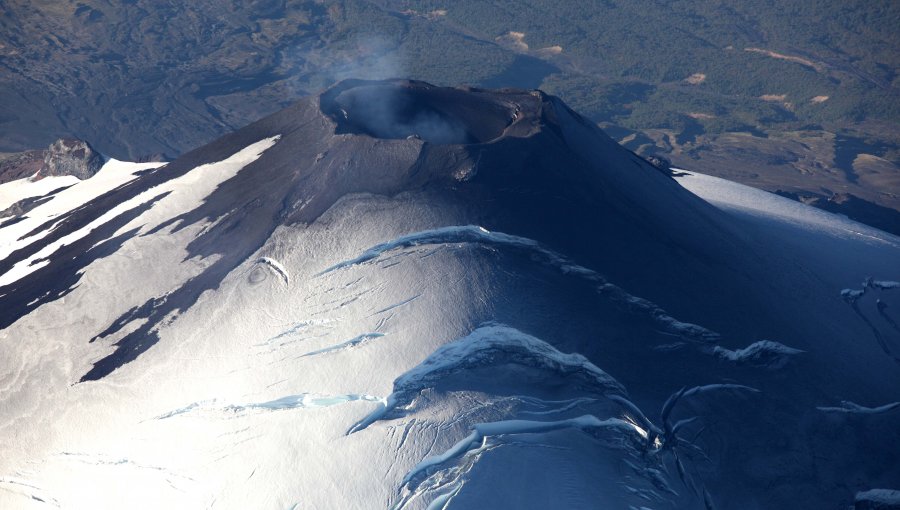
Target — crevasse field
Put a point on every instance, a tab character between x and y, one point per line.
313	313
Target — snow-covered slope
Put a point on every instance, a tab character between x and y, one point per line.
401	296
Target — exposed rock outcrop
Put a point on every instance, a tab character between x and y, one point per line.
20	165
660	163
68	156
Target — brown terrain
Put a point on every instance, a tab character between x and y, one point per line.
65	156
141	77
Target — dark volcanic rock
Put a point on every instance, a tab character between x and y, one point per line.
24	206
68	156
660	163
21	165
157	157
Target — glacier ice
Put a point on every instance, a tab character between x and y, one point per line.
564	328
764	353
491	344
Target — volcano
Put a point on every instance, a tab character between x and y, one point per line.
397	295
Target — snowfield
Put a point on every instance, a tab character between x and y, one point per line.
175	337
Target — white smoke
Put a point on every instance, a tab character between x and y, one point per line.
393	111
381	111
362	57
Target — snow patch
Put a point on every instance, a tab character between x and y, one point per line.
764	354
852	295
112	175
187	185
513	39
277	267
18	190
27	490
729	195
696	78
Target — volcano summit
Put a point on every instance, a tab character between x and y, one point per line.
396	295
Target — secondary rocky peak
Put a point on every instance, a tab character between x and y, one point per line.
65	156
69	156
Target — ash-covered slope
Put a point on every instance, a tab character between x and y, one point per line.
399	295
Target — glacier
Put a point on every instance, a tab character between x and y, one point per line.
314	313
